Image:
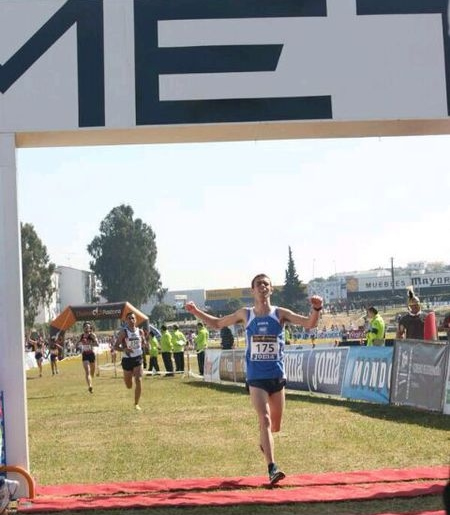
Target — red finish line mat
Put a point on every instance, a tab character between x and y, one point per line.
439	512
306	488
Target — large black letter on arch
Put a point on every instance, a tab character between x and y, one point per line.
371	7
152	61
88	16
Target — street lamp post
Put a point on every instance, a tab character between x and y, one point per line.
392	279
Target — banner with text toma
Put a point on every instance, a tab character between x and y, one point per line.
417	379
153	70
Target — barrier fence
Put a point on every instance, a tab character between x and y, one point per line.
412	373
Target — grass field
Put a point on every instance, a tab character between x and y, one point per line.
191	429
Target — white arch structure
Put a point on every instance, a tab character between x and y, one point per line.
77	72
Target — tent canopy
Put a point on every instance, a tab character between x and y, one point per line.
92	312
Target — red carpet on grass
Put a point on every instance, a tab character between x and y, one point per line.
439	512
306	488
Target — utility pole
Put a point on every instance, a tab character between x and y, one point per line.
392	277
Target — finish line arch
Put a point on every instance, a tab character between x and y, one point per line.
94	312
77	72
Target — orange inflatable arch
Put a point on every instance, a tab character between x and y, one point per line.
92	312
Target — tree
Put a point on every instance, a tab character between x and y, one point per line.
161	293
124	256
293	295
233	305
162	313
37	271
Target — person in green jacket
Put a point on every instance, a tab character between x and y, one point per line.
166	350
178	345
376	330
201	342
153	366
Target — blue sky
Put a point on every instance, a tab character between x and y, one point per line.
223	212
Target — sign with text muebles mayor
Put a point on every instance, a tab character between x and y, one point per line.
234	69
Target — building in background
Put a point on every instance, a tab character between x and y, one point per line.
72	287
341	291
76	286
331	290
177	300
52	309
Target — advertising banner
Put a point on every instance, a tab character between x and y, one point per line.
434	280
239	366
296	365
232	366
211	373
30	360
326	370
368	374
102	64
447	387
226	366
419	374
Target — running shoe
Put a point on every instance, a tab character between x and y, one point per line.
90	389
137	407
276	475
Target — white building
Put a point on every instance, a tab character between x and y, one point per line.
331	290
72	287
176	299
52	309
76	286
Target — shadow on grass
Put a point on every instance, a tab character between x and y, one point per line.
399	414
219	387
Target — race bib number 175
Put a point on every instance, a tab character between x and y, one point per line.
264	347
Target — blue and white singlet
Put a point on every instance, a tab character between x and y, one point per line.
264	338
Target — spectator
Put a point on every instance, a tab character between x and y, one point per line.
226	338
312	335
412	324
166	350
376	328
445	326
153	346
287	335
201	342
190	339
178	344
113	351
344	334
145	348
